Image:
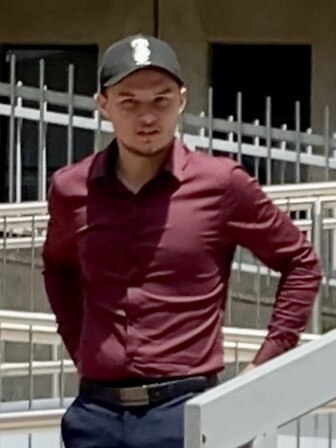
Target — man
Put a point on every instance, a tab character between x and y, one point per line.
138	254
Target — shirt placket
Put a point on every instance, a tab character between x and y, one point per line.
133	291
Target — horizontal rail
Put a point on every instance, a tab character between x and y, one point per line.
18	325
36	368
86	103
51	96
239	344
23	208
284	155
302	192
241	352
253	130
56	118
27	318
10	332
28	421
21	242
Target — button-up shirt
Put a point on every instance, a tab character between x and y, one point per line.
138	282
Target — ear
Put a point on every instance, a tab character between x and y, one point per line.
183	99
101	101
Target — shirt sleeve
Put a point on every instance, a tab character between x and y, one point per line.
254	222
62	275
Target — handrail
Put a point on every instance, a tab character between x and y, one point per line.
27	318
275	192
261	400
36	368
240	345
87	103
212	418
28	421
19	325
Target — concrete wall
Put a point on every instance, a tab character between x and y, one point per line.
189	25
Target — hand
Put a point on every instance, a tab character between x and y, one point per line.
248	368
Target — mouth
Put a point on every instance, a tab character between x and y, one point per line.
148	134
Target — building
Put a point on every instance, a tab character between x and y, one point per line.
284	50
275	36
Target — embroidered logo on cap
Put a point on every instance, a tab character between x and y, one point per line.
141	51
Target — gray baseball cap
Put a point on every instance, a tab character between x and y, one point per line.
134	53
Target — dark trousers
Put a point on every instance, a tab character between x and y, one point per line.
92	425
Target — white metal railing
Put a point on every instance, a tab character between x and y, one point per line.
221	418
27	318
240	345
263	143
283	192
24	227
257	403
28	421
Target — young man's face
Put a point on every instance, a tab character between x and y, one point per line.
144	109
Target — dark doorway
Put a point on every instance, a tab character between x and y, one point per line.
282	72
57	60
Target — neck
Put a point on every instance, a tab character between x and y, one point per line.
134	170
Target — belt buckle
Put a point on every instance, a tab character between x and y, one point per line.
134	396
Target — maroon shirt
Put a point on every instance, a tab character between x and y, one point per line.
138	281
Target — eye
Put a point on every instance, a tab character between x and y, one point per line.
161	100
129	102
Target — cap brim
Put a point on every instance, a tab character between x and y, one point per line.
116	79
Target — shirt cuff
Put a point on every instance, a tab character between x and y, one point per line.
270	349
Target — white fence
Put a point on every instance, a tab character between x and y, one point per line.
274	155
259	402
38	417
312	207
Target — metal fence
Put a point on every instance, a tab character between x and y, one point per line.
271	154
33	421
42	130
253	286
240	346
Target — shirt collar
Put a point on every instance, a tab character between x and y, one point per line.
177	160
104	162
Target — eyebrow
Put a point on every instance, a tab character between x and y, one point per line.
125	93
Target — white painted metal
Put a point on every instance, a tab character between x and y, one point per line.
265	398
240	345
27	318
22	369
28	421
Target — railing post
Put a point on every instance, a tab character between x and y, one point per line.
317	240
55	392
42	157
210	120
11	149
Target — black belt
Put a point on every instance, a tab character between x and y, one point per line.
146	394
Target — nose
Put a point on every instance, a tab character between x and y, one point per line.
147	115
148	118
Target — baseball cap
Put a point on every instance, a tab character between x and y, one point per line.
134	53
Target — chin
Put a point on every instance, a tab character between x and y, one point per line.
151	146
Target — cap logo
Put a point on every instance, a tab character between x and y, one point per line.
141	51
